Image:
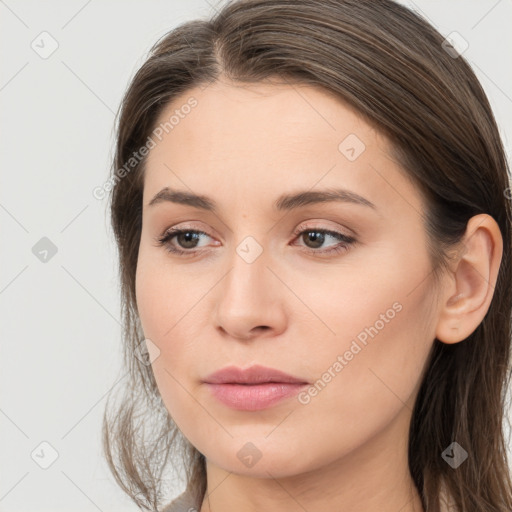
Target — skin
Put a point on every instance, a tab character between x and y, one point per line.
292	308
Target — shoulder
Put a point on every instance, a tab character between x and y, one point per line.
185	502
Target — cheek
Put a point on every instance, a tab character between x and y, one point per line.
151	302
165	314
376	378
160	298
386	314
371	368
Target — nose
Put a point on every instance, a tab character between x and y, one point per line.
250	300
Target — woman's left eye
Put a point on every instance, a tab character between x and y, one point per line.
318	236
188	239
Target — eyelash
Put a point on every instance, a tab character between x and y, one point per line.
345	241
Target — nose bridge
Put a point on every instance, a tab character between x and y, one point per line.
248	297
249	274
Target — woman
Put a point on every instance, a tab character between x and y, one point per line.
312	207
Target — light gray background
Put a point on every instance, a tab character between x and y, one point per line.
60	331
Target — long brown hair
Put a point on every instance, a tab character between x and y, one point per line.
391	66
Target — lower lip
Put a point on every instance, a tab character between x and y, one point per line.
245	397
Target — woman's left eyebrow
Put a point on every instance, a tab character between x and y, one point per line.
307	197
284	202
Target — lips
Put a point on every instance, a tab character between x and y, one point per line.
254	388
254	375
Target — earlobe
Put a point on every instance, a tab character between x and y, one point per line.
468	294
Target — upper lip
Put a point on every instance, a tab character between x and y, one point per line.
256	374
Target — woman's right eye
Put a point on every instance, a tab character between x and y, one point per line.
187	238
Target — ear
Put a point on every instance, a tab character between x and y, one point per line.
470	285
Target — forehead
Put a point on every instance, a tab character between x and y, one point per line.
263	110
258	139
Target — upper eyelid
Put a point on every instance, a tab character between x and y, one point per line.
301	226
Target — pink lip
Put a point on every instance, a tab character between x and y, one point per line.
252	389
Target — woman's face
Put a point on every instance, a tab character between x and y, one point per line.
260	282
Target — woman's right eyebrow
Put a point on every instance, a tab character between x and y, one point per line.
283	203
183	197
